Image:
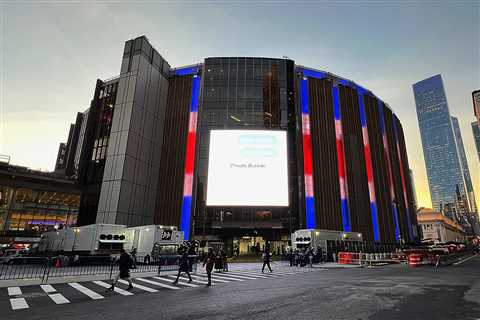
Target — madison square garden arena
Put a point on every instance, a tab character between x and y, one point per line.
240	150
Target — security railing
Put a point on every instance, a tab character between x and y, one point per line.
46	268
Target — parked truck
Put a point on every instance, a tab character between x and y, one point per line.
315	238
153	240
94	239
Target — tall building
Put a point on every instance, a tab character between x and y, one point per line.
241	150
476	104
472	205
476	136
444	168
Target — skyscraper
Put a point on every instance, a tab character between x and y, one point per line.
476	104
463	161
476	136
444	169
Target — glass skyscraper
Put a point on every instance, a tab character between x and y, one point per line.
463	161
476	136
444	168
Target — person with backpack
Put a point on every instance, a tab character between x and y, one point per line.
124	264
266	259
183	267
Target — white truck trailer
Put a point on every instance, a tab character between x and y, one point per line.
94	239
314	238
144	238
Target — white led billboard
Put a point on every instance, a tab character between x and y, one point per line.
247	168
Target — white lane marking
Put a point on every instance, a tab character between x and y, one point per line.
48	288
58	298
165	285
238	277
213	279
464	260
18	303
251	274
139	286
216	276
158	283
183	278
117	290
179	282
14	291
85	291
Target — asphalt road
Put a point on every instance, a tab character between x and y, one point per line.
391	292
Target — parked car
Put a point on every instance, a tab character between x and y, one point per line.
22	258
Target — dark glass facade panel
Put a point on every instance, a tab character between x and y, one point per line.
246	93
94	149
172	160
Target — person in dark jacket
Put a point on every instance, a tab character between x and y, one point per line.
124	265
208	264
266	260
225	260
183	267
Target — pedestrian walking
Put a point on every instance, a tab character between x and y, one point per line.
225	262
183	267
266	260
310	257
133	253
124	265
208	264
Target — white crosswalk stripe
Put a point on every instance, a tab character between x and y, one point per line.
17	303
217	276
194	280
139	286
14	291
204	278
58	298
85	291
48	288
116	289
186	284
155	283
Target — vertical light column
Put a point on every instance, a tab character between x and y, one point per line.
404	189
190	159
307	157
386	153
341	158
368	163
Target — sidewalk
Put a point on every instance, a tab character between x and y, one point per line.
78	278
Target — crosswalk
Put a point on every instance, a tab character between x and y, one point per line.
28	297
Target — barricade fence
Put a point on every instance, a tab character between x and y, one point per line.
45	268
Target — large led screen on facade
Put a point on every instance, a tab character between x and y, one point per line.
247	168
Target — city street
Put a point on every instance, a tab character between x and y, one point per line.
388	292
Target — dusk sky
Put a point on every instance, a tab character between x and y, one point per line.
52	52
